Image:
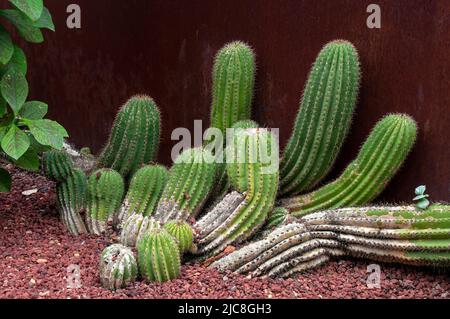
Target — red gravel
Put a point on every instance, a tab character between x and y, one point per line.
35	251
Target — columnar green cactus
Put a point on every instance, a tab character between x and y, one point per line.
182	232
252	168
323	119
105	192
134	227
144	192
233	81
158	256
378	160
134	137
401	234
118	267
277	217
72	201
57	165
191	179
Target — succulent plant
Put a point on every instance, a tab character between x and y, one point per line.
72	201
182	232
252	168
400	234
233	81
158	256
190	182
380	157
421	198
134	227
144	192
323	119
57	165
118	267
134	136
277	217
105	192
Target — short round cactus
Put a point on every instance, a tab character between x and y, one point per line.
182	232
158	256
134	227
118	267
277	217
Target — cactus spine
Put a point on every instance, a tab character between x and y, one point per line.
72	201
378	160
105	192
182	232
134	137
400	234
252	167
118	267
57	165
233	81
144	192
191	179
158	256
323	120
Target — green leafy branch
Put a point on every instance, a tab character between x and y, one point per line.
421	198
24	133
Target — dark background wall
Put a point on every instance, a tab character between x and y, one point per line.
165	48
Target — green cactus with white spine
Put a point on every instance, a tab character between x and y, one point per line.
323	119
57	165
380	157
158	256
134	227
118	267
143	194
233	81
105	192
252	168
191	179
182	232
72	201
134	136
399	234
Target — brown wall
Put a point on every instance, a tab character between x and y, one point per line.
165	48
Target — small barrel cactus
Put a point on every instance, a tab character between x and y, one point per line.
277	217
182	232
134	227
118	267
72	201
105	192
158	256
57	165
134	137
144	192
323	119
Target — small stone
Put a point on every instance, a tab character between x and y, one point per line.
32	282
44	293
41	261
28	232
30	192
76	254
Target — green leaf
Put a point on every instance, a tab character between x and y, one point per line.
17	63
24	25
420	190
3	131
15	143
14	88
47	132
3	107
29	160
423	204
45	21
418	197
5	181
33	110
32	8
6	46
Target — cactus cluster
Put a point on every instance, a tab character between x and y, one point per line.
380	157
118	267
323	120
400	234
134	136
190	182
105	192
143	194
252	168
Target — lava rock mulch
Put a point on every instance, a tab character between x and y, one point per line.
36	251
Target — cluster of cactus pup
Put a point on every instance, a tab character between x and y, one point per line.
200	206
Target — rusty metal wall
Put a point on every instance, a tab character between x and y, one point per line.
165	48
